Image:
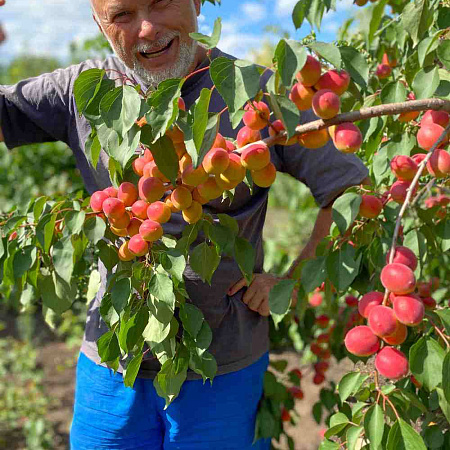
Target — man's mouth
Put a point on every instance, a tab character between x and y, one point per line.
155	54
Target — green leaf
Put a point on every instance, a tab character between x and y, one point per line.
290	57
108	347
374	426
393	92
446	377
201	117
204	364
45	230
338	422
444	315
38	207
63	258
74	221
329	52
443	403
300	12
229	222
329	445
345	210
94	228
191	318
286	111
131	371
161	287
443	53
165	157
50	298
403	437
416	19
236	81
314	273
120	294
442	231
426	359
131	331
426	82
375	20
356	65
174	263
209	41
107	311
24	259
280	299
86	86
353	435
156	331
108	254
350	384
245	255
343	266
93	286
204	261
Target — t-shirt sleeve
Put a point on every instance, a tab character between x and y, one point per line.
326	171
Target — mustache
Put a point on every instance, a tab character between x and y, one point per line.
156	45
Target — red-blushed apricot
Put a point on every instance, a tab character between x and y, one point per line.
194	177
370	206
151	189
323	338
351	300
181	104
230	146
175	134
403	255
210	189
389	59
321	366
296	392
285	415
122	232
137	245
128	193
325	354
152	170
185	162
424	288
111	191
408	116
148	156
398	336
336	81
435	283
409	310
113	208
301	96
159	212
399	191
315	299
97	199
318	378
429	302
256	115
133	226
310	73
322	321
124	253
326	104
428	135
139	209
383	71
297	373
391	363
120	222
368	301
361	341
226	185
443	200
398	279
347	137
404	167
169	203
255	156
438	117
235	171
382	320
193	213
246	136
219	142
439	163
138	165
181	197
180	149
216	161
264	177
314	139
198	198
150	230
276	127
315	348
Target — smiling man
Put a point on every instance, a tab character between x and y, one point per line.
151	41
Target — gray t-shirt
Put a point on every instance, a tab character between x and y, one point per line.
43	109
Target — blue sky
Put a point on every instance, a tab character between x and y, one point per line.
46	27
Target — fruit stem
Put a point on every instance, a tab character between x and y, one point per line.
441	334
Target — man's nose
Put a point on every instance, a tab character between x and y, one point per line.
149	30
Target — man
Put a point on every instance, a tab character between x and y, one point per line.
152	43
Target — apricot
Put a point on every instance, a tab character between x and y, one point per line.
424	288
409	310
361	2
152	170
403	255
175	134
193	213
180	149
389	60
428	135
216	161
256	115
226	185
198	198
255	156
122	232
439	163
323	338
347	137
399	191
230	146
382	320
138	166
336	81
310	73
296	392
181	104
124	253
391	363
111	191
194	177
120	222
264	177
383	71
404	167
185	162
325	104
438	117
276	127
285	415
139	209
316	299
209	189
246	136
318	378
97	199
351	300
321	366
368	301
408	116
150	230
181	197
128	193
361	341
398	336
138	246
159	212
133	226
301	96
113	208
322	321
370	206
429	302
398	278
418	158
151	189
235	171
169	203
220	142
314	139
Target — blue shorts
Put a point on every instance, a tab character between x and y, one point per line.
108	415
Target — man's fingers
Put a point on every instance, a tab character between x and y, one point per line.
236	287
256	301
264	309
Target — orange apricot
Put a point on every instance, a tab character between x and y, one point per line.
246	136
139	209
399	191
256	115
120	222
428	135
310	73
220	142
169	203
301	96
128	193
175	134
264	177
347	137
439	163
138	166
137	245
150	230
216	161
255	156
404	167
151	189
124	253
133	226
368	301
370	207
113	208
97	199
198	198
398	336
194	177
159	212
235	170
382	321
122	232
276	127
337	81
181	197
314	139
398	278
193	213
152	170
325	104
209	189
408	116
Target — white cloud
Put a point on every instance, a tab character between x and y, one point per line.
254	12
284	8
236	42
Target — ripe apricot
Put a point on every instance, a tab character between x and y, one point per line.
310	73
439	163
224	184
122	232
181	197
347	137
296	392
113	208
409	310
391	363
398	278
193	213
370	206
138	246
111	191
351	300
326	104
120	222
180	149
418	158
399	191
382	320
408	116
276	127
255	156
216	161
235	171
181	104
389	60
133	226
424	288
438	117
314	139
398	336
368	301
361	2
315	299
150	230
169	203
209	189
383	71
138	166
404	167
264	177
256	115
97	199
246	136
198	198
175	134
429	302
159	212
361	341
321	366
230	146
219	142
403	255
139	209
152	170
322	321
128	193
318	378
285	415
124	253
301	96
151	189
428	135
336	81
194	177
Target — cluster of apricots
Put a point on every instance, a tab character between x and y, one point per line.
389	316
295	376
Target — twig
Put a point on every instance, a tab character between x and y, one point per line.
441	334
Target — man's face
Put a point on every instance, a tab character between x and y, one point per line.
151	36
